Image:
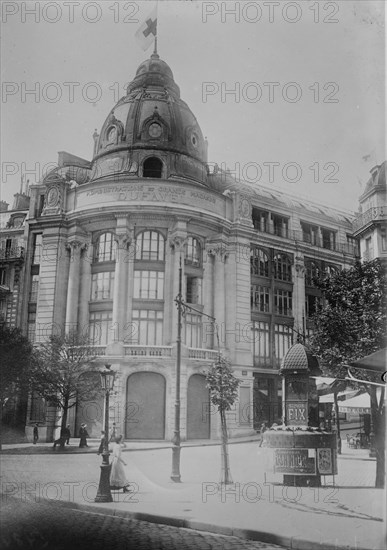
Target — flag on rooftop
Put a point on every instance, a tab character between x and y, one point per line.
147	33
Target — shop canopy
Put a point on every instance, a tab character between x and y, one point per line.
361	404
376	361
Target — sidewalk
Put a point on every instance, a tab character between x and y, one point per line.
348	515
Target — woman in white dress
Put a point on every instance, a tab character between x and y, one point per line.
117	473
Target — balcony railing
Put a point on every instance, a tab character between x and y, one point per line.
375	213
203	354
148	351
13	253
295	235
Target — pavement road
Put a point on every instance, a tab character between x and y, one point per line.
350	514
53	527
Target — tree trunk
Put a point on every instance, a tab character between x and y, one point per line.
226	474
64	422
337	422
378	440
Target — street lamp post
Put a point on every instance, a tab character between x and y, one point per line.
103	493
175	475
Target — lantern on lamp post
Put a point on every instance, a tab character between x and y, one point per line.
103	493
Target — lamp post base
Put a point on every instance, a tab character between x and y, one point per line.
175	475
103	493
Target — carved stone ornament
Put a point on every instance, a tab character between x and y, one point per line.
299	266
53	202
176	242
76	247
219	250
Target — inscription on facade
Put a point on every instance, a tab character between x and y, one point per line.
151	193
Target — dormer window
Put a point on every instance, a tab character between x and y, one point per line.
153	168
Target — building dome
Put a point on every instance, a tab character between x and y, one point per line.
151	132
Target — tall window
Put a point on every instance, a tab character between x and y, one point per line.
282	267
261	342
31	326
105	250
331	269
3	276
193	290
260	298
312	273
193	330
34	288
312	304
280	225
193	252
100	325
328	239
282	302
259	263
149	285
283	340
102	286
150	246
37	249
148	327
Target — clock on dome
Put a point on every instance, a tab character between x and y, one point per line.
155	130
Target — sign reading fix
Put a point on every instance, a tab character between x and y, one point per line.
297	413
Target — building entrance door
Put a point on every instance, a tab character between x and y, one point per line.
145	406
198	408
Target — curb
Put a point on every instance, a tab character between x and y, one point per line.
290	543
92	450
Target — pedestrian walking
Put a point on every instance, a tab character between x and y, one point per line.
117	473
67	434
83	435
113	434
36	434
102	443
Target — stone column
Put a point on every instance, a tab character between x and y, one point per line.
85	282
75	247
220	296
123	241
208	300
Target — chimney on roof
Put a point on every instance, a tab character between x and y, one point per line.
95	138
3	206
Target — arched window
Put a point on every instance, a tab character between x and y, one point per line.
152	168
150	246
193	252
105	249
312	273
282	267
259	263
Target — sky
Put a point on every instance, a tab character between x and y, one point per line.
289	94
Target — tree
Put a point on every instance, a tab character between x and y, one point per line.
223	386
61	372
16	354
350	325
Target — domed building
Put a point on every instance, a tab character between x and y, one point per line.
107	239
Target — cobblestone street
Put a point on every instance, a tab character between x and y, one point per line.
53	527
